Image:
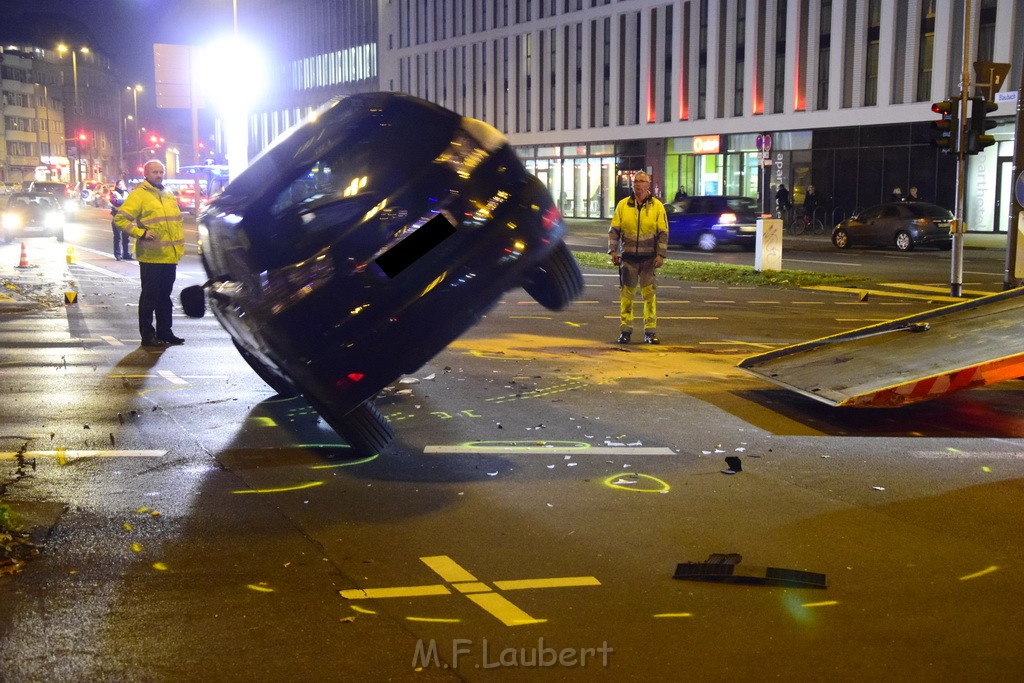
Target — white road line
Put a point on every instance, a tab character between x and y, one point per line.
112	341
10	455
596	450
171	377
827	263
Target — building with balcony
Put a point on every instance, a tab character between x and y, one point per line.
693	91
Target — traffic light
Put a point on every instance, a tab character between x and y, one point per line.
947	127
977	139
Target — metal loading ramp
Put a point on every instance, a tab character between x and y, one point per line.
912	359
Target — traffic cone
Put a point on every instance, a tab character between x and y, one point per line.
24	257
72	257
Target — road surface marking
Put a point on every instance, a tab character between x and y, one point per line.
60	454
171	377
539	447
464	582
112	341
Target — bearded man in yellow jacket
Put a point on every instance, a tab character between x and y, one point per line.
151	215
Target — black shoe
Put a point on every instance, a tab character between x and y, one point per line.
623	338
154	343
651	338
128	258
117	258
172	340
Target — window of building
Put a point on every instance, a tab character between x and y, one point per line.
871	58
824	53
987	30
926	47
741	43
702	59
779	88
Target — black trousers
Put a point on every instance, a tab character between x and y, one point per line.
155	299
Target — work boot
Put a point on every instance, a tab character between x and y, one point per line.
651	338
624	337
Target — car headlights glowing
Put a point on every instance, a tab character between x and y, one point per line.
11	221
53	219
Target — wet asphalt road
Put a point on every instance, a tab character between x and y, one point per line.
528	520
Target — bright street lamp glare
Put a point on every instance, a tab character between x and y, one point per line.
233	73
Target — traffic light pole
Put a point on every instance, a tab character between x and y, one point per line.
956	267
1014	270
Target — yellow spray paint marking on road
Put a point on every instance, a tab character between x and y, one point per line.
545	448
637	483
987	570
477	591
673	615
283	489
431	620
823	603
260	588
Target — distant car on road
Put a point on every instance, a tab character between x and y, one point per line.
60	192
903	225
32	214
710	221
364	241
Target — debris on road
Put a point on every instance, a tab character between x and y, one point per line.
724	568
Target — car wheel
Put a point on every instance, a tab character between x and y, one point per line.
904	242
841	239
273	380
707	241
557	281
365	429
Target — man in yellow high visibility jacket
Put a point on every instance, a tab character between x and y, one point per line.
151	214
638	245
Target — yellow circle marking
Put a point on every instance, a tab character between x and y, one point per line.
637	483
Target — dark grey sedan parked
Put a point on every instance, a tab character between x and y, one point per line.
903	225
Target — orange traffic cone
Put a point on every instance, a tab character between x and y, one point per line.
24	257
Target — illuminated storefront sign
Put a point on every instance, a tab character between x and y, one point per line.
705	144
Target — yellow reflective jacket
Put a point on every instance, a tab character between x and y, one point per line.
147	208
640	231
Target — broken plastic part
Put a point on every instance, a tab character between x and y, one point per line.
723	568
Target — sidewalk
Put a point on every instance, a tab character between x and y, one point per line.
590	227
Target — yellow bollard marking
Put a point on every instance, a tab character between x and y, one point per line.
987	570
479	592
283	489
447	568
503	610
562	582
395	592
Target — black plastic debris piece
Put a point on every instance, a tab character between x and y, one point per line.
724	568
734	463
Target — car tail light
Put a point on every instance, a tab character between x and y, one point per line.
727	217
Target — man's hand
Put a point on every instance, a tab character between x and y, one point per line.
659	261
616	260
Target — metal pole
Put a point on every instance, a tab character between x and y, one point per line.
956	274
1014	269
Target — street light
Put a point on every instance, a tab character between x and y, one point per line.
77	110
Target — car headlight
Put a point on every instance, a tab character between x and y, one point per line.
12	221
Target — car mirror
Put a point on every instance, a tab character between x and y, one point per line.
193	301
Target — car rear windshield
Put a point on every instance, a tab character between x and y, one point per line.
929	211
742	205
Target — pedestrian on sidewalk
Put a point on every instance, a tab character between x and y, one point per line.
150	213
638	244
122	240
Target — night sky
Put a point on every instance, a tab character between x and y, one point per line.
126	29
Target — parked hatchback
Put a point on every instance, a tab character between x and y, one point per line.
708	222
903	225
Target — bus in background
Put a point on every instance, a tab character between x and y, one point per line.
209	179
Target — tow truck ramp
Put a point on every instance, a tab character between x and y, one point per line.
908	360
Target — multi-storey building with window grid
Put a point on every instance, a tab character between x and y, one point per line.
589	91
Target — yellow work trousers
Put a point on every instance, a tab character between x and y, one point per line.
633	275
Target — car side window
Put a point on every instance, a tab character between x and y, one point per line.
890	212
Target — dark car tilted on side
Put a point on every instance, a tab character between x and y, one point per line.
365	240
709	221
903	225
